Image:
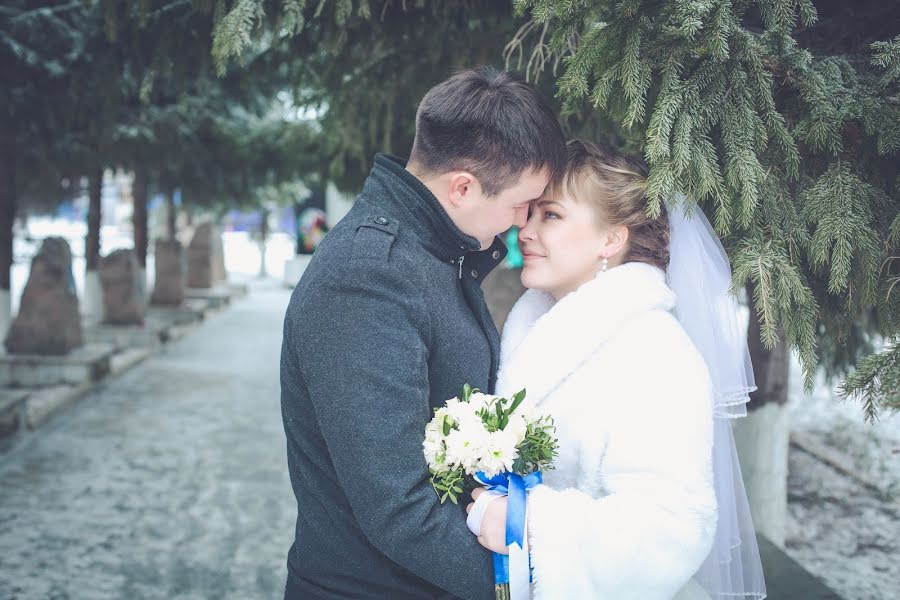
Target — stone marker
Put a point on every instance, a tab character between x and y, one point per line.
49	322
171	273
204	257
124	299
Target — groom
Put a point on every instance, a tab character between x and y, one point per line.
387	323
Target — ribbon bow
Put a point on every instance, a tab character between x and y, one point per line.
514	569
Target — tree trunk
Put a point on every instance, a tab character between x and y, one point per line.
139	216
171	215
770	367
139	223
263	236
763	437
93	293
92	243
8	203
298	238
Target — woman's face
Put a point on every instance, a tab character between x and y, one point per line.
562	245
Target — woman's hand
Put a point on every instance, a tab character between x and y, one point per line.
493	524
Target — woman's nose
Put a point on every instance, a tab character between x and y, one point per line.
526	233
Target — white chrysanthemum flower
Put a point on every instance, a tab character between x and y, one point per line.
434	447
479	400
460	411
438	420
459	450
498	453
465	445
517	427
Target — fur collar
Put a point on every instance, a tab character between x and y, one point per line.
544	341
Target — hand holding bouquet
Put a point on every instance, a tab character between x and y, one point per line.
497	442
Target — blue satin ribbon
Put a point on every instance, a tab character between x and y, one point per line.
515	487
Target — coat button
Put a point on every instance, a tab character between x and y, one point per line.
381	220
474	273
496	255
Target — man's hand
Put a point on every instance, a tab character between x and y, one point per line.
493	525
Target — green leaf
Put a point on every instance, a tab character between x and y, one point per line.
517	400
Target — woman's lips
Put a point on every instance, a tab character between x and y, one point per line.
528	256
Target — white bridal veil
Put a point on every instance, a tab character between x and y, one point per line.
700	276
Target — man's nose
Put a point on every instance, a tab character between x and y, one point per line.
521	218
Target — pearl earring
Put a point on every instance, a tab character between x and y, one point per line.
605	264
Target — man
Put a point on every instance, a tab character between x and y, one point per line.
387	323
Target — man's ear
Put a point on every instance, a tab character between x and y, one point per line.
616	239
463	187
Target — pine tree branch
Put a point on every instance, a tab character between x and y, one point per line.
876	382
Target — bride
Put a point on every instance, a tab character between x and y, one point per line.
628	338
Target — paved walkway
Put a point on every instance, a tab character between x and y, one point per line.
168	482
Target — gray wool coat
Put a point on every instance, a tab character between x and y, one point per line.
387	323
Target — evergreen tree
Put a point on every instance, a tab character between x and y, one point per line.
779	117
361	67
39	44
787	134
118	84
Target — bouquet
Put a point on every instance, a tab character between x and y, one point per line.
495	442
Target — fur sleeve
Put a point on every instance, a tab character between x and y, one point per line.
653	529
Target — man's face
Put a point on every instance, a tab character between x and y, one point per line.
485	217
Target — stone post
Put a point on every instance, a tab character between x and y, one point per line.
49	322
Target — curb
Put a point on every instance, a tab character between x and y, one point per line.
24	410
837	460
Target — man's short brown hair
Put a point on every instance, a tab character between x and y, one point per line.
488	123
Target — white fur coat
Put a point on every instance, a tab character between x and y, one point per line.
630	510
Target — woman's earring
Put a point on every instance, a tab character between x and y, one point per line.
605	264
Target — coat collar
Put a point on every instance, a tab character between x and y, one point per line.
544	341
390	182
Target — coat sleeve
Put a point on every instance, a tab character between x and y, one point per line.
362	352
654	528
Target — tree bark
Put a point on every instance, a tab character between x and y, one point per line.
8	204
92	306
139	216
171	215
92	242
763	437
263	235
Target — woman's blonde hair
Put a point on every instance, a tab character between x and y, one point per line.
615	186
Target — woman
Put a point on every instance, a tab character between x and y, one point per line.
630	511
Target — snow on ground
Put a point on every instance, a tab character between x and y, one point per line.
845	533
